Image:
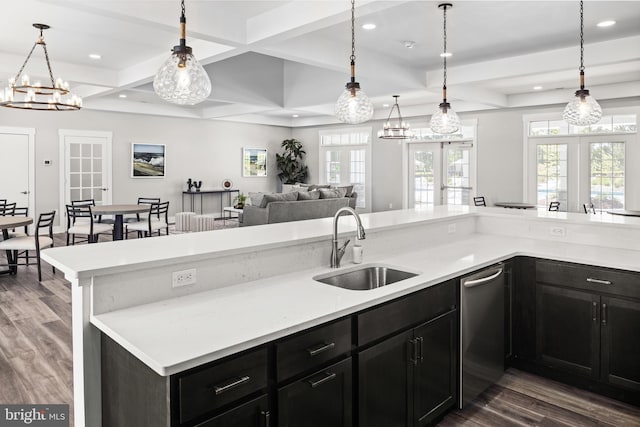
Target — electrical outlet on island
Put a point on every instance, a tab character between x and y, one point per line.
184	277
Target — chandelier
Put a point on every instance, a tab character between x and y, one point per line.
181	79
583	110
398	130
22	93
353	106
445	120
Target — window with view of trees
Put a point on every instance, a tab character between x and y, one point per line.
552	174
607	174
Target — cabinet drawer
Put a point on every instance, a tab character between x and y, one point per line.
406	311
590	278
310	349
216	385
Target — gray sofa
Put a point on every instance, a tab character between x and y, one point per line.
292	211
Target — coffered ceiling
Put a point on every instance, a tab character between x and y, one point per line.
271	60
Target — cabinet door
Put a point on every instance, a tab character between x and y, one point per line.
254	413
384	374
435	369
620	320
319	400
568	330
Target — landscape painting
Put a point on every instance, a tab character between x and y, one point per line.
147	160
254	162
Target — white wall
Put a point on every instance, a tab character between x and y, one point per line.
200	149
500	154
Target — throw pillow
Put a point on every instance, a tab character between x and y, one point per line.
278	197
309	195
348	189
299	188
255	199
317	187
326	193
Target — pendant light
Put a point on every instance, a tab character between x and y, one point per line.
445	120
181	79
583	110
353	106
399	130
23	94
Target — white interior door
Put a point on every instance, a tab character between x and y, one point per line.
17	176
86	156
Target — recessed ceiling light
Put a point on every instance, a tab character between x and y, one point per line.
385	105
409	44
295	116
369	26
606	23
537	88
95	56
122	95
447	55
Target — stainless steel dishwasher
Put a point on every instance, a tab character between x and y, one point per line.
481	331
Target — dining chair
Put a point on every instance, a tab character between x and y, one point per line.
80	220
143	201
554	206
7	209
20	212
92	202
479	201
37	242
589	208
157	220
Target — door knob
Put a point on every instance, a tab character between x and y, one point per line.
24	192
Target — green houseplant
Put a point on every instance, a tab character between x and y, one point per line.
240	200
290	164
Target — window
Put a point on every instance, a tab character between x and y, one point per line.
579	165
606	178
424	179
552	174
345	160
458	175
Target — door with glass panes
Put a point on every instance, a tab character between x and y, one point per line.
86	157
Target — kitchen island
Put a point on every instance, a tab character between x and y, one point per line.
255	285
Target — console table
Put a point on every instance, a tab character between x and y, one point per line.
220	193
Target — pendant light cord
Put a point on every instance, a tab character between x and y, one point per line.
353	40
444	32
581	36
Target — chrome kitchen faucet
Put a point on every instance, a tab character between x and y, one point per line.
337	253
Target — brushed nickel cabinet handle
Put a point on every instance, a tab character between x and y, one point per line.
604	314
320	348
599	281
594	311
219	389
328	376
414	351
482	281
266	415
421	348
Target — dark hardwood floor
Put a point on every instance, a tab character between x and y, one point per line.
36	366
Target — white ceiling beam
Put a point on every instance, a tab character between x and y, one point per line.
476	94
124	106
236	109
561	96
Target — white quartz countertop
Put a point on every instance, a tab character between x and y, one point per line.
180	333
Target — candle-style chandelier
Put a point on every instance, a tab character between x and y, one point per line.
397	130
24	94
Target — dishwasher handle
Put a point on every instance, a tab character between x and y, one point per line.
482	281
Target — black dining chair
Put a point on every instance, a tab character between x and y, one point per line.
80	220
589	208
554	206
143	201
157	220
20	212
479	201
7	209
22	245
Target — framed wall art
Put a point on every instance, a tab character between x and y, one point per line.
148	160
254	162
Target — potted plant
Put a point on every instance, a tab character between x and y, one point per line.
290	164
239	201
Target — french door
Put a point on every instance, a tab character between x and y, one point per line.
86	156
440	173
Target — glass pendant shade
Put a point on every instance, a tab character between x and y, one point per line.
354	107
583	110
445	120
182	82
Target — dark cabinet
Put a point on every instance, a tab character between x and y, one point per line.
254	413
620	352
568	330
319	400
587	327
409	379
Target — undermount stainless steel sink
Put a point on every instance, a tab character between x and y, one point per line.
365	277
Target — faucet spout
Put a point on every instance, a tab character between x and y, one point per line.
338	252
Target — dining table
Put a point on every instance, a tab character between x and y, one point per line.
515	205
7	223
118	211
624	212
